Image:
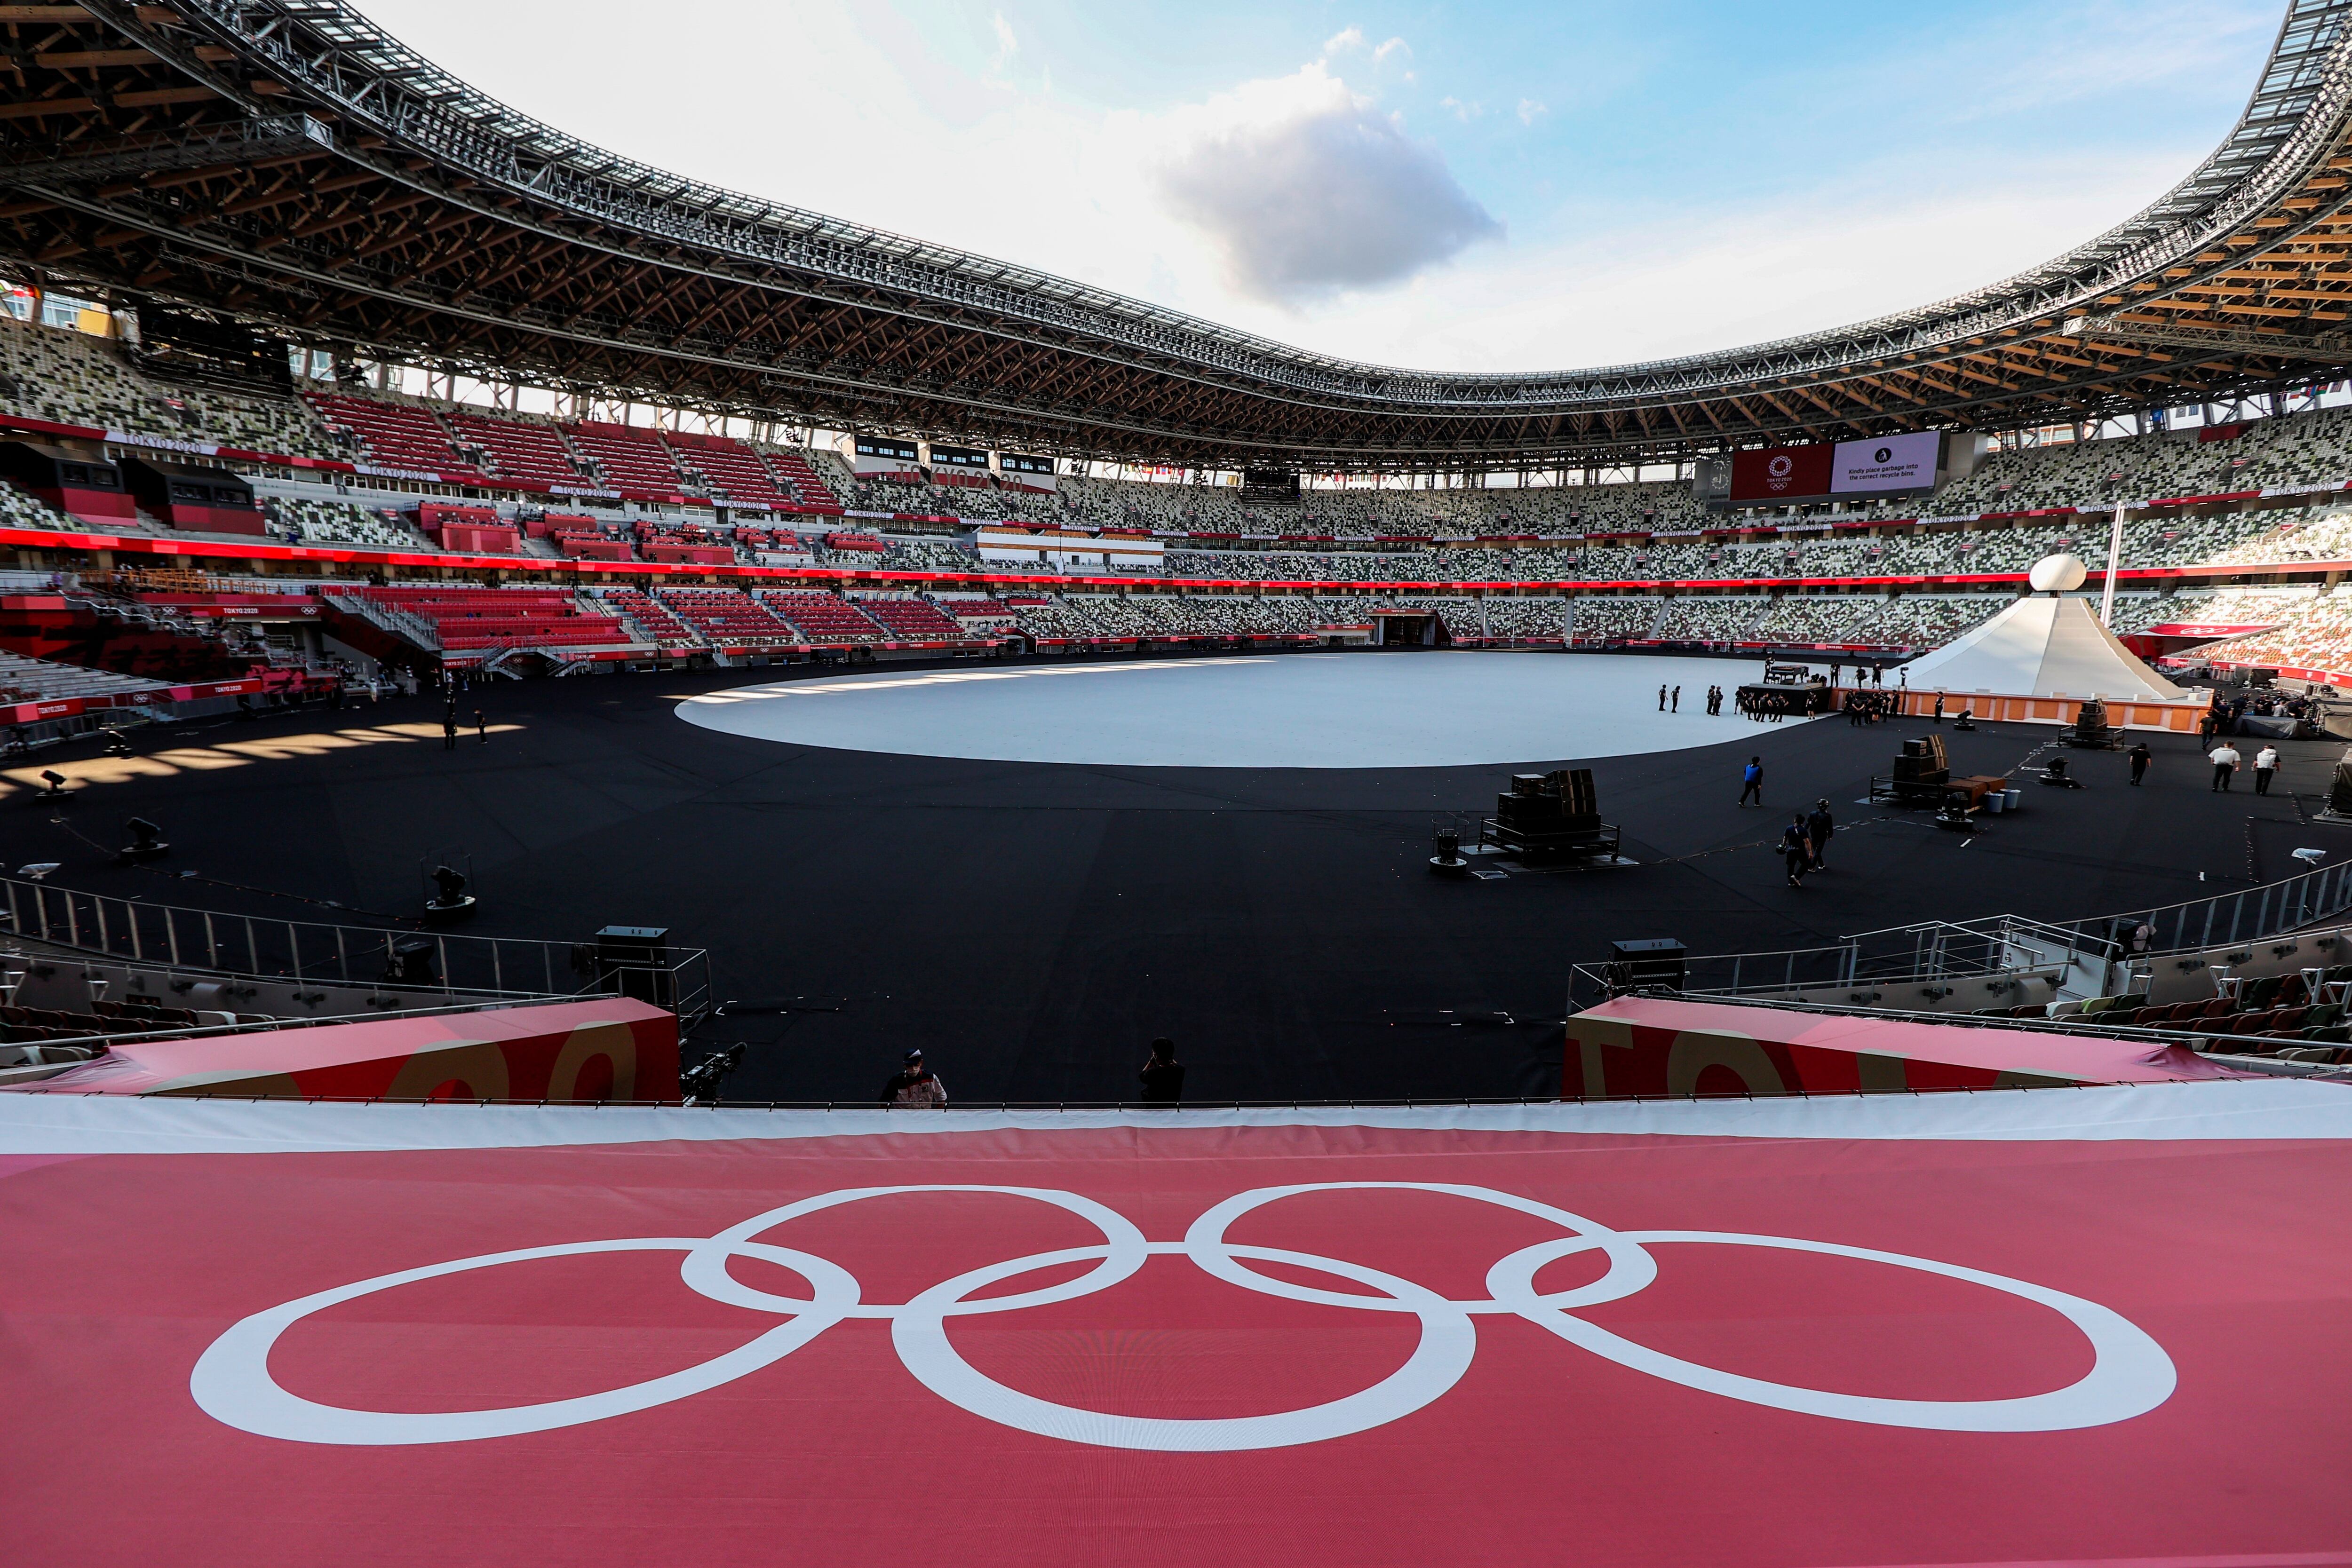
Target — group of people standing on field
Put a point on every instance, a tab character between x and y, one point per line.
1670	700
1771	707
1870	708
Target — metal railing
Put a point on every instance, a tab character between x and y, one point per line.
400	622
415	961
2227	919
1936	951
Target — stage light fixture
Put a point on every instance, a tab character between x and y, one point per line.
449	900
56	781
146	841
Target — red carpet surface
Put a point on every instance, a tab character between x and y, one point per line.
2040	1326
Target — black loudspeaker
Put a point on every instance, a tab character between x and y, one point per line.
1927	749
1576	797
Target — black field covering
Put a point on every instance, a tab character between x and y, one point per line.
1033	927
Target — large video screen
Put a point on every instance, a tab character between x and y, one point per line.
1888	462
1883	466
1781	473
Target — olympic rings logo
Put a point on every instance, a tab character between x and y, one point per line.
2129	1375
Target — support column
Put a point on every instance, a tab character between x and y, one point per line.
2114	559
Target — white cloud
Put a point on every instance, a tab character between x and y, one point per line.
1306	190
1007	45
1671	281
1530	112
1589	286
1352	40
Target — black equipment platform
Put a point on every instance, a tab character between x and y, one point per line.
1551	819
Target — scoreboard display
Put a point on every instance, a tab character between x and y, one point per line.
1907	464
1015	463
1269	487
959	457
888	449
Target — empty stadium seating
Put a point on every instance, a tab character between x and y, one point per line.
824	617
634	461
727	617
516	449
71	378
910	620
307	521
652	618
2274	1015
480	618
392	434
728	469
42	680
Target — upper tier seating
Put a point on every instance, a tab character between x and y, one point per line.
517	449
732	472
632	461
807	484
2308	448
71	378
392	434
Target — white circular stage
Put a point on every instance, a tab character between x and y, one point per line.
1295	710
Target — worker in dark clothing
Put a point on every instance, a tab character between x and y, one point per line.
450	729
1819	826
481	726
915	1087
2140	757
1751	780
1162	1075
1796	850
1661	699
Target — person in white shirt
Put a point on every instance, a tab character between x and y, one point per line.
2265	769
2225	758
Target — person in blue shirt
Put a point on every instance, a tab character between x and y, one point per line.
1751	781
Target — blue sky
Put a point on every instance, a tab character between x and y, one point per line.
1448	185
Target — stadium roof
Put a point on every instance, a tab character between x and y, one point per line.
288	162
